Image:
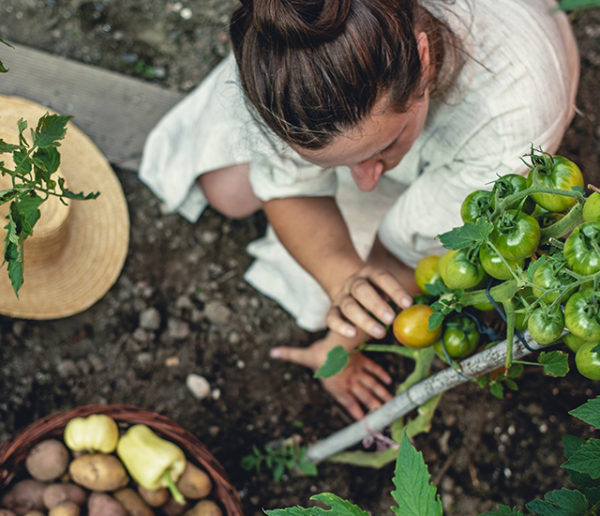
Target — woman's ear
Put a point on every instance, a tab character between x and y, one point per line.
423	48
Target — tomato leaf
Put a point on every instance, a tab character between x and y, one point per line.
586	459
49	130
338	507
414	494
308	468
555	363
504	510
68	194
534	266
435	320
560	501
589	412
467	235
497	390
335	362
7	147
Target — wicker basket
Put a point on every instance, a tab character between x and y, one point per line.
14	451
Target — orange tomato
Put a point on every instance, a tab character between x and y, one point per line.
411	327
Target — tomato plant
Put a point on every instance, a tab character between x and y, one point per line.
554	172
587	360
427	272
545	324
582	249
551	280
509	184
461	269
411	327
591	208
496	265
476	205
516	235
460	337
582	314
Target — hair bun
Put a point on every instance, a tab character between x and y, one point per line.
300	22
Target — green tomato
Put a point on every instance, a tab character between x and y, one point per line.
546	218
551	281
495	265
582	314
573	342
516	235
587	360
509	184
545	325
459	271
476	205
427	272
582	249
460	337
591	208
554	172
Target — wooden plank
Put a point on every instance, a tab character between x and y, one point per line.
115	111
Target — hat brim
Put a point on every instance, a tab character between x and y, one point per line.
94	252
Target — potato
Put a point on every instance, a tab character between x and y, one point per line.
205	508
24	496
98	472
101	504
172	508
132	502
66	508
154	497
58	493
194	482
47	460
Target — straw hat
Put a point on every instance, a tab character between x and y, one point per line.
77	251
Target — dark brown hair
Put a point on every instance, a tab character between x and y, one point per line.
312	69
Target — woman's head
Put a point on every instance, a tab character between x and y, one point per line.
313	69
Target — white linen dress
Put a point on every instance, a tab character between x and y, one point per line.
517	89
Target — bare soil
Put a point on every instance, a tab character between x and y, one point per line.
181	307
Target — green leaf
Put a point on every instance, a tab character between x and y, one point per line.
25	212
3	68
589	412
65	192
46	161
413	494
560	502
586	459
515	370
435	320
569	5
592	494
555	363
22	161
7	147
471	233
497	390
570	445
335	362
50	129
308	468
504	510
338	507
278	471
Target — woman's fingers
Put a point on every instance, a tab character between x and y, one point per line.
363	303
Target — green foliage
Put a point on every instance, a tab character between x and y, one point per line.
36	158
338	507
335	362
555	363
498	382
569	5
470	234
416	496
413	493
279	459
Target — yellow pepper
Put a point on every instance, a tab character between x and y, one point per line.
152	462
97	432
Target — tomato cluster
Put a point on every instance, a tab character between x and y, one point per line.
530	245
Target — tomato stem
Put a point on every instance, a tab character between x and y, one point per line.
500	293
563	226
593	188
510	331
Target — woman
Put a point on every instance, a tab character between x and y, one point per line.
359	126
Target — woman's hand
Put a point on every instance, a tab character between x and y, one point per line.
363	302
362	383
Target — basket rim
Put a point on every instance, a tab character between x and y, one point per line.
14	450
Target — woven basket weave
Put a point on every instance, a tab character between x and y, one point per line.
14	451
